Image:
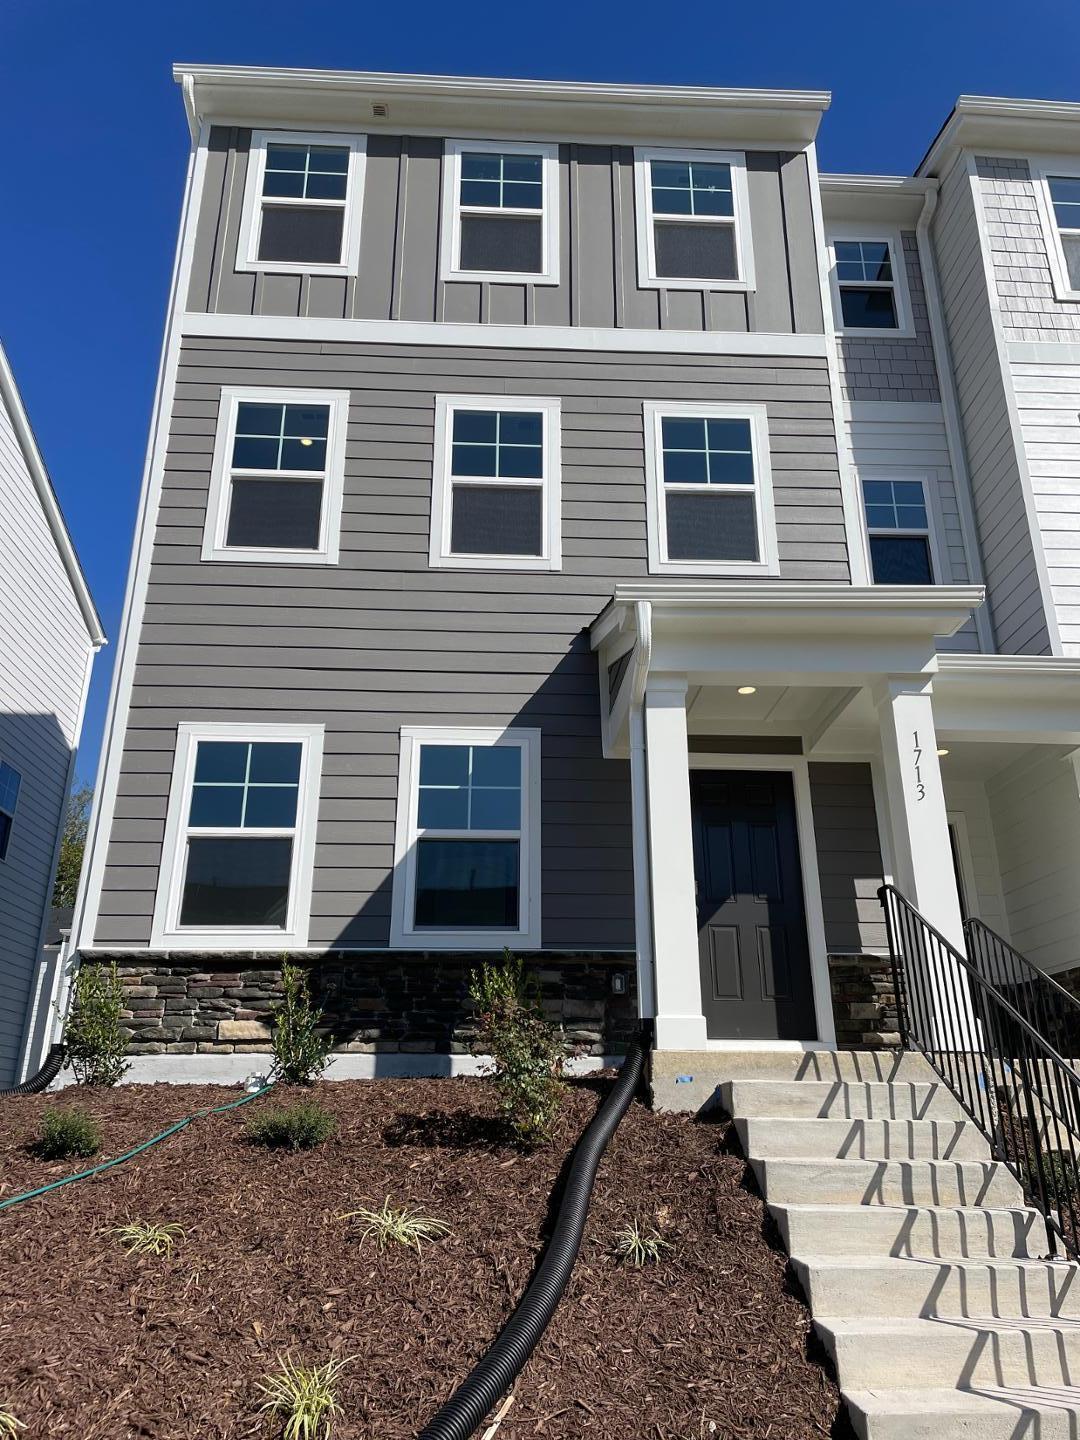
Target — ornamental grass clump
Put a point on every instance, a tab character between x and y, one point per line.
66	1131
94	1039
292	1127
300	1051
142	1237
403	1226
10	1425
302	1398
637	1246
527	1050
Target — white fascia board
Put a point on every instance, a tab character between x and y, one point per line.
990	123
882	199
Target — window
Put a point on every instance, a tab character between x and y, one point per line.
899	532
501	212
302	203
1061	210
496	487
239	839
709	489
869	284
467	861
10	780
693	220
277	478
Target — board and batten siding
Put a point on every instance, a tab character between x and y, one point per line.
45	649
848	856
1012	580
398	275
383	640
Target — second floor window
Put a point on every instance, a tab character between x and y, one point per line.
500	212
899	532
869	285
10	783
693	220
302	203
1065	200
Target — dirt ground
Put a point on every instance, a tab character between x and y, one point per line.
95	1345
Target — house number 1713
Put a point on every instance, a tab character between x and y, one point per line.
919	786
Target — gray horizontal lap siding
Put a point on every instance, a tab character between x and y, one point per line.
382	640
398	275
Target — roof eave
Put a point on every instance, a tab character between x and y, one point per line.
985	121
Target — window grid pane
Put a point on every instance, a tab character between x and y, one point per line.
511	448
280	436
707	452
864	261
1065	195
895	505
243	799
306	172
492	181
691	187
481	791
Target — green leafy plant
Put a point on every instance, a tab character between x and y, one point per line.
94	1038
72	845
303	1397
387	1225
291	1127
67	1131
300	1051
142	1237
638	1246
528	1051
10	1425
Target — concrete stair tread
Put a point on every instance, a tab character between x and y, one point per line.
988	1413
902	1325
920	1231
840	1099
948	1183
787	1137
1062	1268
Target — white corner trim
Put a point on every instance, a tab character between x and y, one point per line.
214	546
648	279
450	230
440	555
891	236
247	246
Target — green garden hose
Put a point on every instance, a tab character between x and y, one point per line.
130	1154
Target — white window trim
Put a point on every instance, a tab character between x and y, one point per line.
247	248
166	930
888	235
217	509
440	555
659	564
934	523
646	237
403	932
450	245
1041	172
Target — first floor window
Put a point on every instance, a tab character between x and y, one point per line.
302	202
496	490
693	219
467	862
239	834
898	529
10	781
710	492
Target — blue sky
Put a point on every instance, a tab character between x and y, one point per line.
96	147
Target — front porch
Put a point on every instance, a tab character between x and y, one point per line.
794	746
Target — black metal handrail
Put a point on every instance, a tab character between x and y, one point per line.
1047	1005
1009	1077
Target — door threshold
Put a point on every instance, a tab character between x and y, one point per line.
798	1047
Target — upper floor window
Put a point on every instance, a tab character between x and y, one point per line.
501	212
10	781
277	479
240	835
899	531
302	203
496	487
1061	203
693	220
709	489
869	284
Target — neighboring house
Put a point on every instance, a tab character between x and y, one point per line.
49	634
565	526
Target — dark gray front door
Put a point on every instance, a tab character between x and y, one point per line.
755	960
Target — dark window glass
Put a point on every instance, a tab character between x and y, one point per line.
895	505
707	452
718	526
217	806
301	234
10	781
497	520
1071	245
863	260
867	309
498	444
469	787
5	833
901	560
275	514
695	252
681	187
249	785
492	242
467	884
1065	194
306	172
275	762
234	881
502	182
222	761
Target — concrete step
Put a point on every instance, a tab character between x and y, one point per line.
775	1137
886	1182
919	1230
922	1354
690	1080
1046	1413
839	1099
850	1287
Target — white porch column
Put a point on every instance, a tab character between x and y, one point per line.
680	1024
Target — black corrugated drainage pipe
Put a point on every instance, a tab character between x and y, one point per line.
54	1063
497	1370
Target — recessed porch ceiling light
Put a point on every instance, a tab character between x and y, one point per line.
942	750
747	689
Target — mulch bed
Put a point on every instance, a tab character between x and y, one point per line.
94	1344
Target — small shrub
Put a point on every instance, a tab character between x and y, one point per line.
94	1038
638	1246
527	1049
292	1127
10	1425
410	1228
303	1397
300	1052
66	1132
141	1237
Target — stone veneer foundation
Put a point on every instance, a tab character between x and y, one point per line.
864	1002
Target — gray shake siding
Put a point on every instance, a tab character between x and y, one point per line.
400	236
383	640
883	369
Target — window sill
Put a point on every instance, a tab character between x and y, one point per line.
734	569
270	557
494	940
290	267
265	940
861	334
494	562
501	277
655	282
